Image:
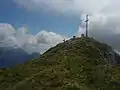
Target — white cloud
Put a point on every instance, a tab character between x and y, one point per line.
9	37
105	24
76	6
80	31
44	37
104	14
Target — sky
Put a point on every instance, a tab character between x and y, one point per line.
17	16
36	25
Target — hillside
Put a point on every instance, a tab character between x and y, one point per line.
80	64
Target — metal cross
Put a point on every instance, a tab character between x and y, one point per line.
86	25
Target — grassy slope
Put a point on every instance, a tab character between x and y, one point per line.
79	65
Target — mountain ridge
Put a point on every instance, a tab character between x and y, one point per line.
10	57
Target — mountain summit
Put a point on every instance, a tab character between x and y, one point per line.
76	64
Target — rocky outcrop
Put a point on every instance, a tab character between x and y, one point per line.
113	58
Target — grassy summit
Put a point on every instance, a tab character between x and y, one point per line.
78	64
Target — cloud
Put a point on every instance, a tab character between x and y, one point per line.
104	15
43	37
75	6
9	37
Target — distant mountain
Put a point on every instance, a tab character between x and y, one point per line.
11	56
77	64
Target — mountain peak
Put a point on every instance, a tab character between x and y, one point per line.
76	64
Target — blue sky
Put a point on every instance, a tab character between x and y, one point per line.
35	21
